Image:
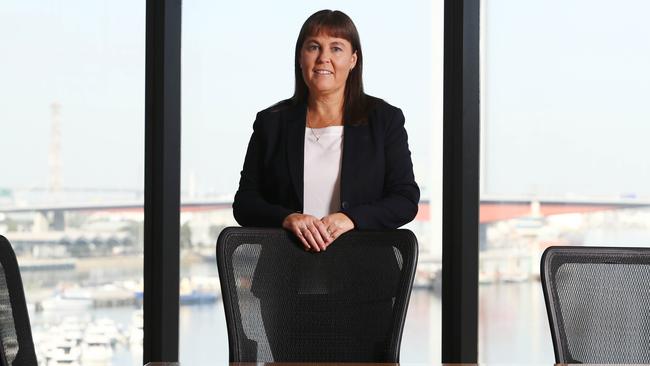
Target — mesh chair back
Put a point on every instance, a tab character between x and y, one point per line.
3	359
16	344
346	304
598	303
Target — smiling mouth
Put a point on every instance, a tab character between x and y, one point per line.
323	72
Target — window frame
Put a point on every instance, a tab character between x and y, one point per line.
461	132
460	203
162	180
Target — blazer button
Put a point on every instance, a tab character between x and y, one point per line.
345	205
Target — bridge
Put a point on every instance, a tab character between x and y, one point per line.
492	209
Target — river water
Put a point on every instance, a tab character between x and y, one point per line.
513	328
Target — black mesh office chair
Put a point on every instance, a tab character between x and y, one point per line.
598	303
16	344
346	304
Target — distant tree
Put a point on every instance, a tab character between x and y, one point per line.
186	236
11	225
214	231
136	232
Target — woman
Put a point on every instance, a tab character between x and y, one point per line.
331	158
326	161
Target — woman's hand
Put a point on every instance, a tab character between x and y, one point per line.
309	229
337	224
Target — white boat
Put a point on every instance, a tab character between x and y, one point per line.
514	277
68	300
105	327
136	335
72	329
63	352
63	361
96	348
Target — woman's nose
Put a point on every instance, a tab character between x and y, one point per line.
324	56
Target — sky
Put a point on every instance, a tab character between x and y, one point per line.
236	60
564	89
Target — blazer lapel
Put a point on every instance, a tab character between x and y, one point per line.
296	148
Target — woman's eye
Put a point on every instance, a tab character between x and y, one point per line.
312	47
337	49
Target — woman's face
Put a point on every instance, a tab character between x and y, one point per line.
326	63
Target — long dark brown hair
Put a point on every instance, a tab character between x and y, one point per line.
334	23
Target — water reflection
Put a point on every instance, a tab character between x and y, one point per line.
513	328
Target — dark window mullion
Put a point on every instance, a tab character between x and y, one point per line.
461	131
162	180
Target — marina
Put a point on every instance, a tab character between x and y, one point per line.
203	327
86	310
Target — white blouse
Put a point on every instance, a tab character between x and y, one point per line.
322	170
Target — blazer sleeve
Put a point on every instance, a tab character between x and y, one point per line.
401	194
250	208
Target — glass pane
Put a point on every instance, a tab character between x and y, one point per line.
236	61
72	173
565	86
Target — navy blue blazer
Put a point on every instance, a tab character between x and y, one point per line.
378	189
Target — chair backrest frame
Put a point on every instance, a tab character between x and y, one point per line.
553	258
3	359
26	352
234	329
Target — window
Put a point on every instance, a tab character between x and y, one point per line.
564	124
72	182
237	61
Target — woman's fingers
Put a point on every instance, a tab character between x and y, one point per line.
299	224
298	233
314	234
336	225
306	236
318	239
324	233
309	236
